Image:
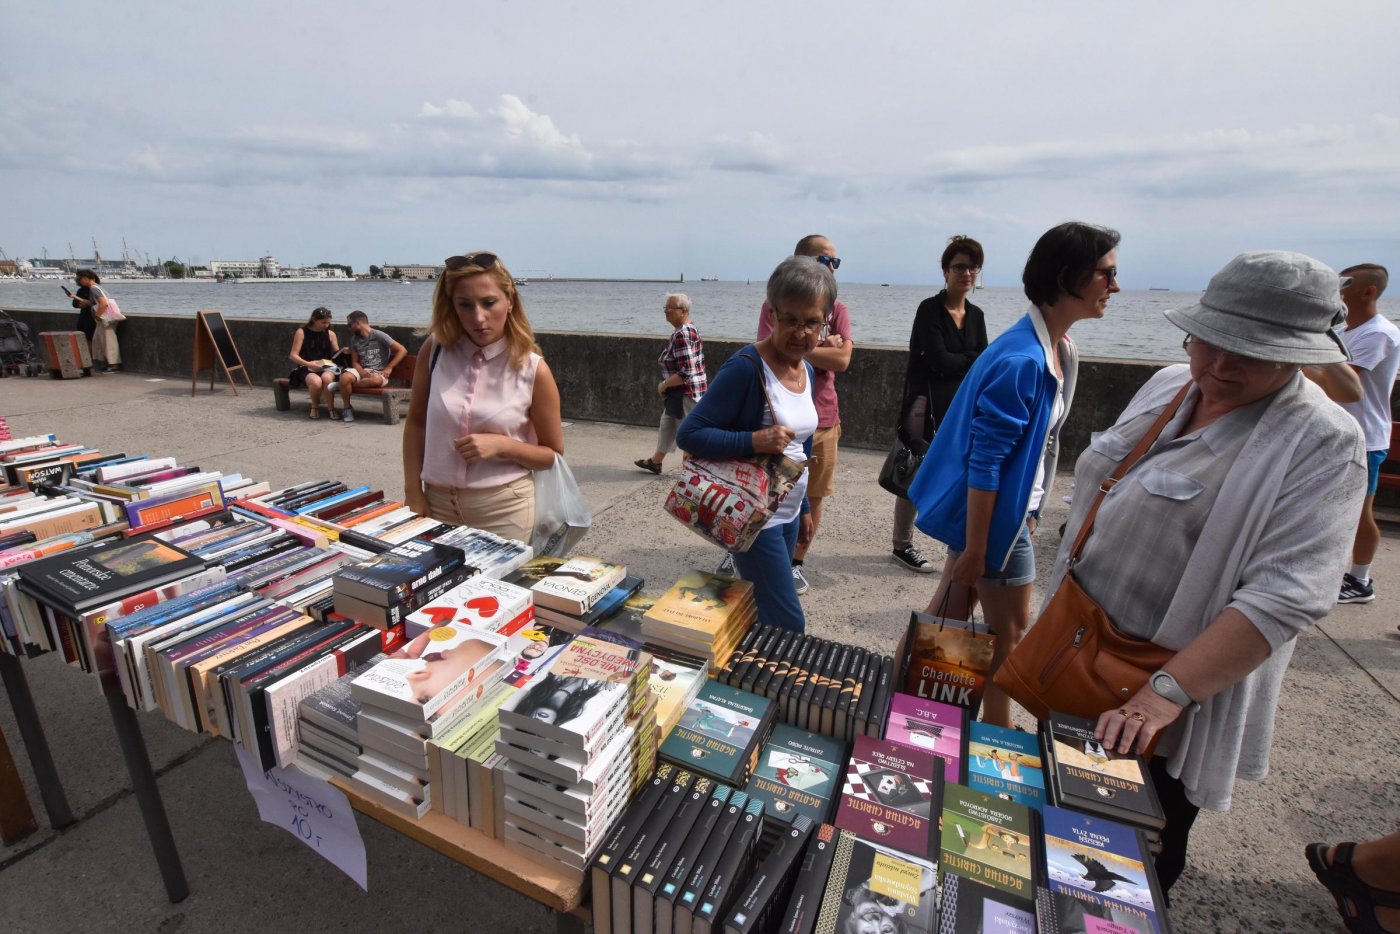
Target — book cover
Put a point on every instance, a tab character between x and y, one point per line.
619	839
587	682
804	904
892	795
576	585
720	733
797	774
940	728
699	604
1103	864
482	602
733	865
945	660
421	677
880	703
872	887
697	801
663	904
763	895
744	647
969	907
106	571
1005	763
987	840
633	861
396	574
676	679
688	898
608	605
382	617
1087	776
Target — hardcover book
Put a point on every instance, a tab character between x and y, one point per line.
968	907
423	676
1104	865
804	904
720	733
872	887
574	586
765	894
987	840
1085	775
396	574
664	901
892	795
925	724
734	864
688	898
1005	763
945	660
697	801
797	774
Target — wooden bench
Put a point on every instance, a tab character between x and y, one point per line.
399	389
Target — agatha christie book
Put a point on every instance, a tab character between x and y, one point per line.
968	907
872	887
892	795
797	773
988	840
1005	763
720	733
924	724
1104	865
1086	776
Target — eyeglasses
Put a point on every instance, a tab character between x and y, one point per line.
789	323
479	260
834	262
1212	351
1109	272
964	269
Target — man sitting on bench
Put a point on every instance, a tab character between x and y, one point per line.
373	356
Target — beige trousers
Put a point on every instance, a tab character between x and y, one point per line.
104	343
507	510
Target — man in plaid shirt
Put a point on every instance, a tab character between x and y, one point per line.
683	378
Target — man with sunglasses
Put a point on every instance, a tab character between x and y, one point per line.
832	356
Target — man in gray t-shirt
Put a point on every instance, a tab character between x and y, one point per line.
373	356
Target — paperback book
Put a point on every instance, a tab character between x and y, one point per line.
577	584
423	676
588	682
395	575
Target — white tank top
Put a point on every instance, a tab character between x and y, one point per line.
796	411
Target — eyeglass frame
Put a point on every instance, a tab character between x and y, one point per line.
1110	273
1243	360
822	331
964	267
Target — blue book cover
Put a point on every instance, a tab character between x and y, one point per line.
1005	763
1104	866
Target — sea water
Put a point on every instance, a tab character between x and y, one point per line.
1134	327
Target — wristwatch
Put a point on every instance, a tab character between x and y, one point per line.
1166	686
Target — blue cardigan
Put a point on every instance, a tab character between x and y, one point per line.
993	438
723	422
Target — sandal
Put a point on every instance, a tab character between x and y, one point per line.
315	413
646	463
335	414
1357	901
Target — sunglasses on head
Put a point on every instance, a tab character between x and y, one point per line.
479	260
832	261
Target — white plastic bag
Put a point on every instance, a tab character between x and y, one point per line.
562	516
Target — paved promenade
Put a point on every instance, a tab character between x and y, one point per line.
1334	775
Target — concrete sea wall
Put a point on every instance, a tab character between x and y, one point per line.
605	377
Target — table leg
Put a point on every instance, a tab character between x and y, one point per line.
570	924
31	731
16	816
143	783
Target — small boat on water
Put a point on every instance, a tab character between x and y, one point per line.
709	278
521	281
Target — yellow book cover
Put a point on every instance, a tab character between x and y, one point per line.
699	603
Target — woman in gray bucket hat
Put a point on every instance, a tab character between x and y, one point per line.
1227	538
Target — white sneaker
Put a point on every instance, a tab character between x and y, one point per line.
799	580
726	567
347	415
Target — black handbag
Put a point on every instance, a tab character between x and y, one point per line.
674	402
906	454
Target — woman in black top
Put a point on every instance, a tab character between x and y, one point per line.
949	333
313	346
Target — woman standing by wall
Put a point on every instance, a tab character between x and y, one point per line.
101	333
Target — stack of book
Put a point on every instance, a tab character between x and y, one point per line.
600	586
328	737
1087	777
461	784
821	686
382	592
480	602
702	614
1099	876
491	554
417	694
798	774
721	733
577	742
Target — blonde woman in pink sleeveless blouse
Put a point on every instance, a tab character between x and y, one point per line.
485	407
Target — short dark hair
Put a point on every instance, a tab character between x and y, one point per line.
959	243
86	274
356	315
807	244
1369	274
1063	259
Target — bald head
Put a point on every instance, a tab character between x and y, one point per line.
814	245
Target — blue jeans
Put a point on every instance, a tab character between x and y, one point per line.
768	564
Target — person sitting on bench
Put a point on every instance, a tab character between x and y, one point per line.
373	356
313	346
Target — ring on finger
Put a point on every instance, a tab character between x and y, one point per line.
1137	716
1122	712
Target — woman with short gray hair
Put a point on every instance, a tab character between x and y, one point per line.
761	403
683	379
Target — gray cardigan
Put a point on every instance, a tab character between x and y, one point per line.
1274	548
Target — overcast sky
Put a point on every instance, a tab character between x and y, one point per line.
640	139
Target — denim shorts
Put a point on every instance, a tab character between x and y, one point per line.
1020	567
1374	459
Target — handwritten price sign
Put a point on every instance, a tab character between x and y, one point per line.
311	810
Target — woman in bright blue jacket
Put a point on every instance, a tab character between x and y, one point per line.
980	487
760	402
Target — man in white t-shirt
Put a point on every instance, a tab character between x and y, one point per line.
1374	344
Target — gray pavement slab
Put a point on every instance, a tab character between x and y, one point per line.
1332	779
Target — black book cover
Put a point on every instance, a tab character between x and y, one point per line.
871	884
261	659
744	648
835	678
791	692
329	489
825	678
809	686
396	574
296	655
780	691
845	701
619	840
696	800
364	542
766	892
770	665
100	573
804	904
630	864
1089	777
754	658
689	852
689	898
869	680
278	545
784	666
880	704
398	612
733	865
